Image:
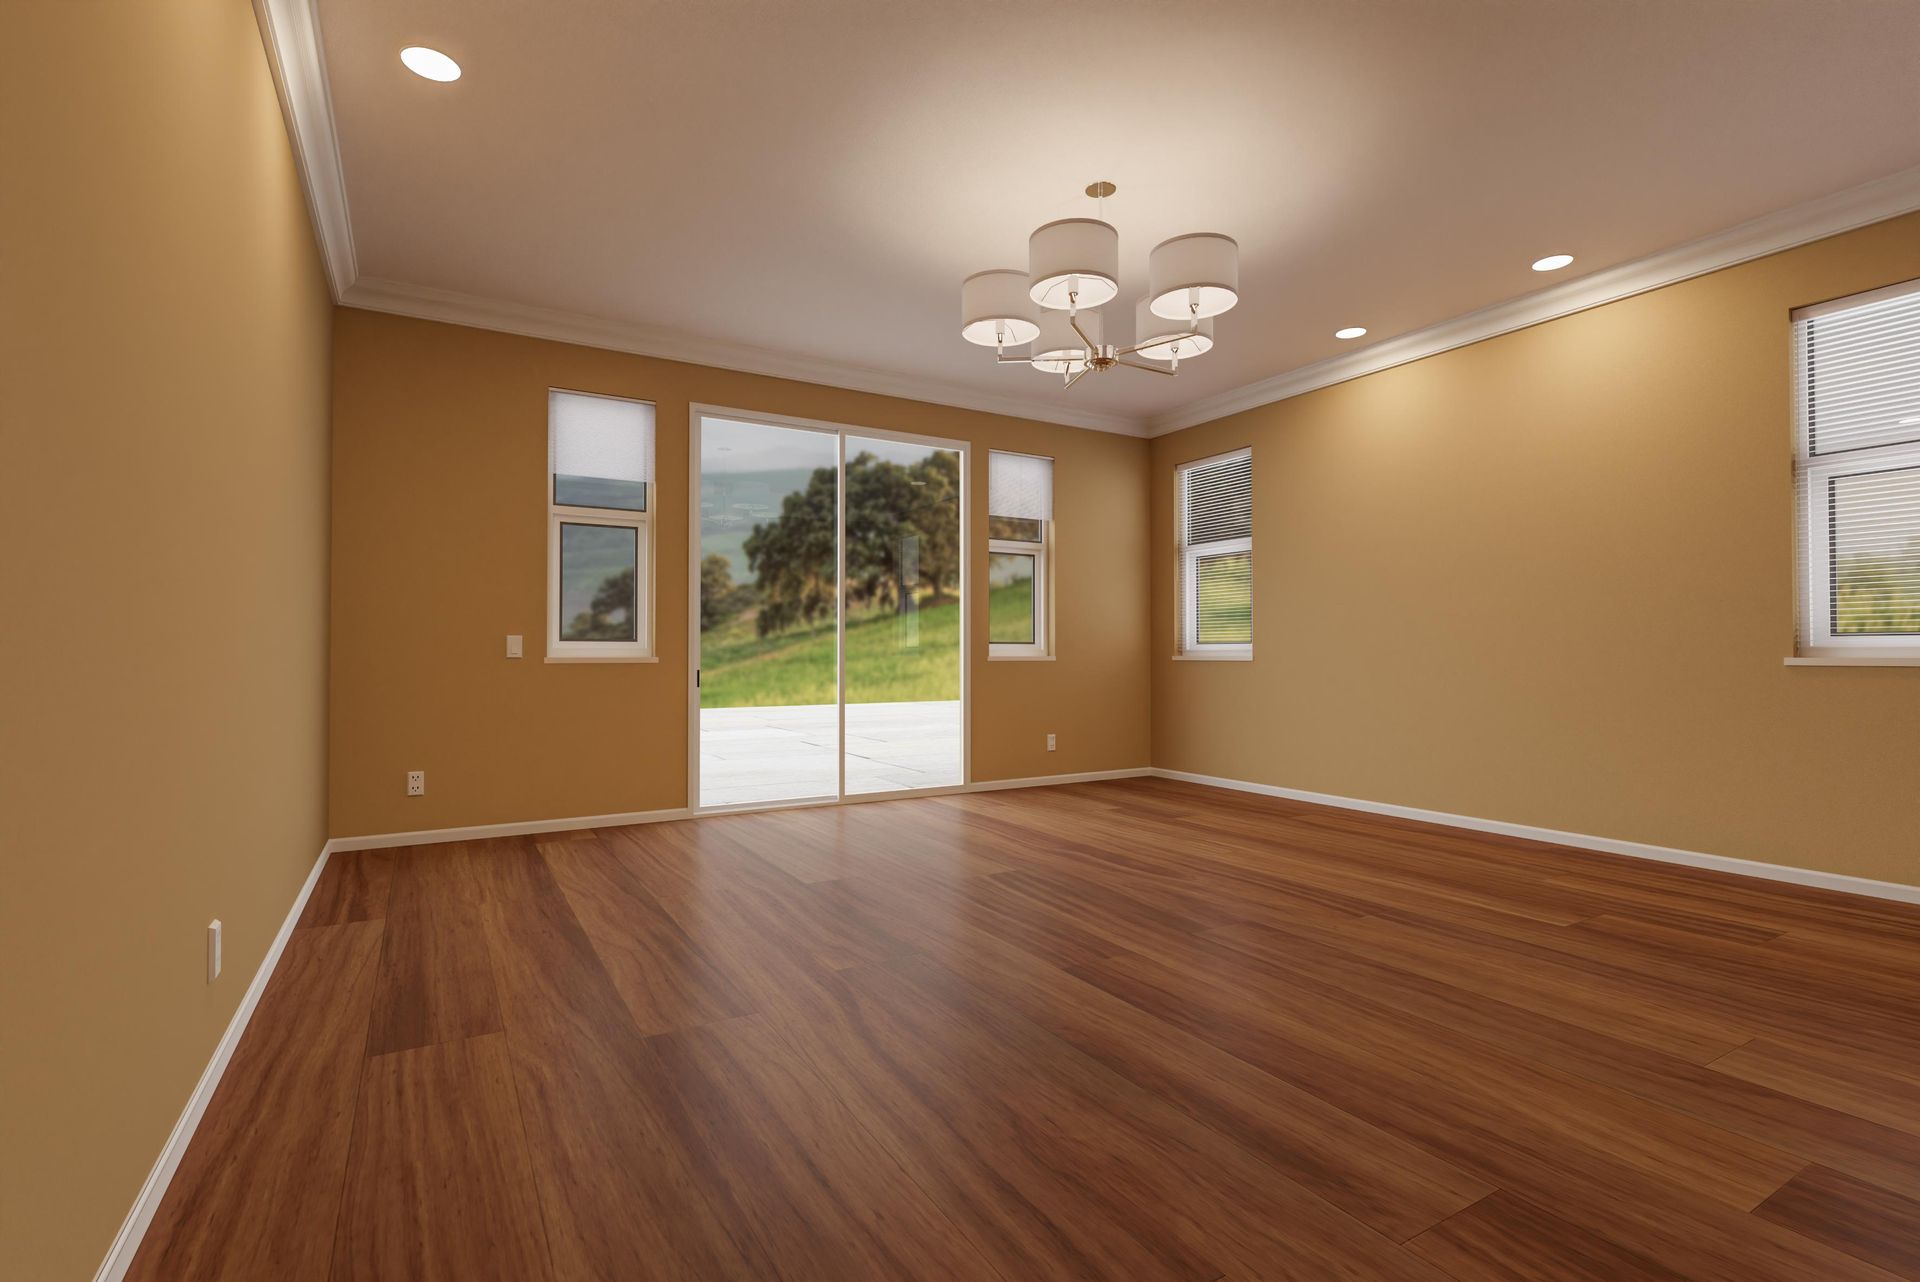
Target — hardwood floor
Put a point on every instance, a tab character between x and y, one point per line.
1131	1030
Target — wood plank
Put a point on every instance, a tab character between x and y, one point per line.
1504	1238
1850	1215
1835	1078
794	1168
436	980
1629	1178
353	887
440	1185
1378	1178
667	980
1000	1118
258	1193
1800	1126
616	1190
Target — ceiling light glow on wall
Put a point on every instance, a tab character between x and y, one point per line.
1552	262
430	63
1351	331
1073	269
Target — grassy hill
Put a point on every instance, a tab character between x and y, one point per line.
741	670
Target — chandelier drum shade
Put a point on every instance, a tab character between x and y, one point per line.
1193	277
1063	347
995	310
1160	339
1074	262
1073	270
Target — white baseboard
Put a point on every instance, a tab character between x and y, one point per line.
532	827
127	1242
522	828
1047	781
1610	845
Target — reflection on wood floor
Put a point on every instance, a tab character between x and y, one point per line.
1131	1030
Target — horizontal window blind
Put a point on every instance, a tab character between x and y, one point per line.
1216	499
1019	486
1858	473
1213	588
599	450
1862	371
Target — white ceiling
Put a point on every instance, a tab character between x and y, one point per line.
814	179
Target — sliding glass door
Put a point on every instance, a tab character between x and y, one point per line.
827	593
767	601
904	722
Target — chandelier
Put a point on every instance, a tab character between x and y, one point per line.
1073	270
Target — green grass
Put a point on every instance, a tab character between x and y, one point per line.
741	670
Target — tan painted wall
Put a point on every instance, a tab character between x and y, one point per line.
440	544
163	550
1548	579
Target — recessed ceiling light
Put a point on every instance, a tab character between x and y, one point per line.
1351	331
430	63
1552	262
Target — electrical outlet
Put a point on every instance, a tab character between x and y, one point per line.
1049	743
416	783
213	950
513	645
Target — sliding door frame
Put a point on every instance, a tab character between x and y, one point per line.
695	413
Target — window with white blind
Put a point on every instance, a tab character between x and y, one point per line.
1213	521
1019	555
599	527
1857	473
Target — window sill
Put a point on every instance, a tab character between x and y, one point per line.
603	658
1017	657
1853	661
1244	656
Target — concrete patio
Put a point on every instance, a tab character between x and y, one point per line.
781	754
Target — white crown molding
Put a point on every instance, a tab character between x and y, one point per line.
291	29
1871	202
1842	882
428	303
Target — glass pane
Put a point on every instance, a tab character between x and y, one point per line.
1876	553
903	616
1223	596
1015	529
600	451
1010	598
598	570
769	644
599	491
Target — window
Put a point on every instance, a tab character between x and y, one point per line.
599	549
1019	549
1857	473
1213	578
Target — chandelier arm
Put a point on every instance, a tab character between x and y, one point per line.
1151	369
1093	348
1013	360
1158	342
1077	377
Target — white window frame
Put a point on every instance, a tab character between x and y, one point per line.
1817	643
1188	556
639	650
1041	647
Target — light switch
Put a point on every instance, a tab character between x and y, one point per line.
513	645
